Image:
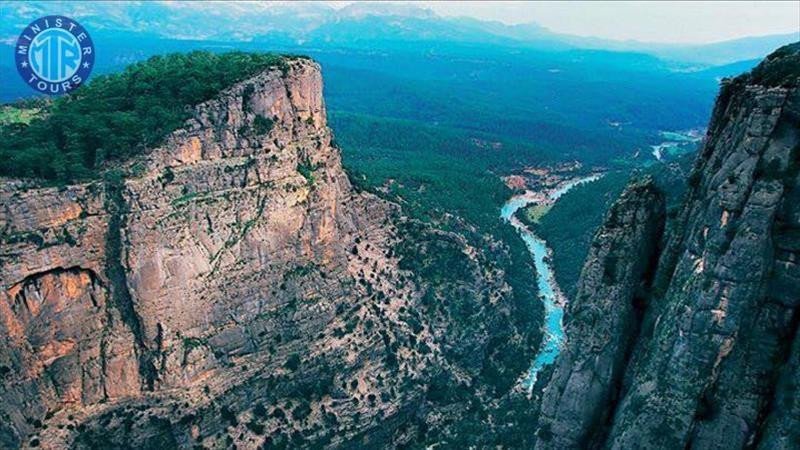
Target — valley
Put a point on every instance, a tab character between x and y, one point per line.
150	300
681	329
550	294
463	276
331	226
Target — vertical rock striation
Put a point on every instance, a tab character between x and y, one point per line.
721	333
713	365
602	320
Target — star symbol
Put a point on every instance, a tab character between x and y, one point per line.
86	65
24	64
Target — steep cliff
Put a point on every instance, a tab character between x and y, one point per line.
713	364
602	320
230	287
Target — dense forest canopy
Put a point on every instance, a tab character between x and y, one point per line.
117	116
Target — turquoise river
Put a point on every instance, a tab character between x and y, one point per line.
549	292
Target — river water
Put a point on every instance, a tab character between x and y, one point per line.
677	143
549	292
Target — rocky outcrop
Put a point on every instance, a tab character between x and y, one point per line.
714	365
230	288
781	427
603	320
707	376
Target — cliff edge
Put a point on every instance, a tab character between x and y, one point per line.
714	360
230	287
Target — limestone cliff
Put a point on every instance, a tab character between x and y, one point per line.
713	364
228	287
602	319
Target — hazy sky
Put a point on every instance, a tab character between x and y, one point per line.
685	22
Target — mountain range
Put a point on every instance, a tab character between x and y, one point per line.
313	25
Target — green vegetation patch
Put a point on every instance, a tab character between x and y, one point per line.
779	69
262	125
190	343
531	215
570	224
21	113
118	116
307	171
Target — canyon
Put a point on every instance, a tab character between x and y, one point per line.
231	287
688	338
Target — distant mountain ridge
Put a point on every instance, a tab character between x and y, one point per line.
320	24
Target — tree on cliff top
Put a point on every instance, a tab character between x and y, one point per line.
117	116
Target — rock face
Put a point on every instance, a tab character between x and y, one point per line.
602	319
228	288
713	364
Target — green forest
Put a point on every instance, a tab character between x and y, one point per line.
442	176
119	115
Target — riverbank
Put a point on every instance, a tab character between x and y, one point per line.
550	294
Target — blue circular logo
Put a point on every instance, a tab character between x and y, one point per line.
54	55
